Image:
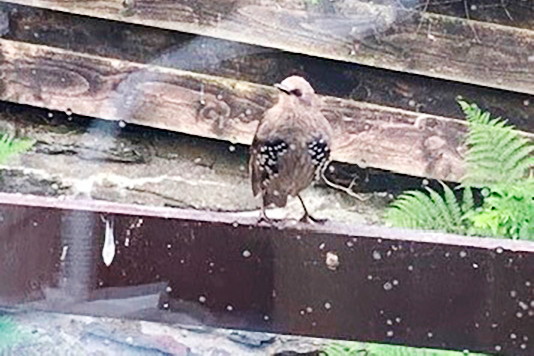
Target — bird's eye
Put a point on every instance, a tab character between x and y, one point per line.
296	92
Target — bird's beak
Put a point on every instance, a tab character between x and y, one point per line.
282	88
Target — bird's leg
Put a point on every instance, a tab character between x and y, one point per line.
263	216
307	217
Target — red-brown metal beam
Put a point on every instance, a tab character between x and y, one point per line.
395	286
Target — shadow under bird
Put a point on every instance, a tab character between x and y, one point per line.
291	146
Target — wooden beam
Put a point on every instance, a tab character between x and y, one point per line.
353	282
421	43
260	65
368	135
509	13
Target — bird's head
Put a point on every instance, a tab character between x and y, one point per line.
297	90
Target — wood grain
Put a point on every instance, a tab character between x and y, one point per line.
420	43
368	135
260	65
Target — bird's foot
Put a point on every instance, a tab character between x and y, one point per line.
307	218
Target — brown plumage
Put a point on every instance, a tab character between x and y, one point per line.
291	145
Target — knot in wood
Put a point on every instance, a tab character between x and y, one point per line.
218	112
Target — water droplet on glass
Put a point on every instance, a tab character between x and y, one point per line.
463	254
50	115
231	148
389	333
168	289
430	335
513	293
465	352
302	312
68	112
425	182
229	307
388	286
327	306
525	338
369	277
169	246
165	305
202	299
397	320
513	336
350	244
523	346
498	348
499	250
129	339
389	322
475	266
235	224
376	255
246	253
523	305
527	284
410	268
122	124
395	282
309	309
519	314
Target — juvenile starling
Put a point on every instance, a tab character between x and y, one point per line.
291	146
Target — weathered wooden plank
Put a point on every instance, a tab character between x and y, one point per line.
338	281
260	65
423	43
368	135
505	12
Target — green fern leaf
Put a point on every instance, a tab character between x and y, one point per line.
496	151
431	211
468	202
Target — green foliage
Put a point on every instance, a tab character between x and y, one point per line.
508	211
498	160
9	333
10	146
364	349
430	210
496	152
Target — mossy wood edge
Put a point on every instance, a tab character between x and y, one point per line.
428	44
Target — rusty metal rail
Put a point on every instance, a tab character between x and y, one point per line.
350	282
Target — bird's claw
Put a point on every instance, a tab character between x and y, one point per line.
307	218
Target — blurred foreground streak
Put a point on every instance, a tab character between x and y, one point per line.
202	268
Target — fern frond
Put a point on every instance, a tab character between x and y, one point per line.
496	152
418	210
468	201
